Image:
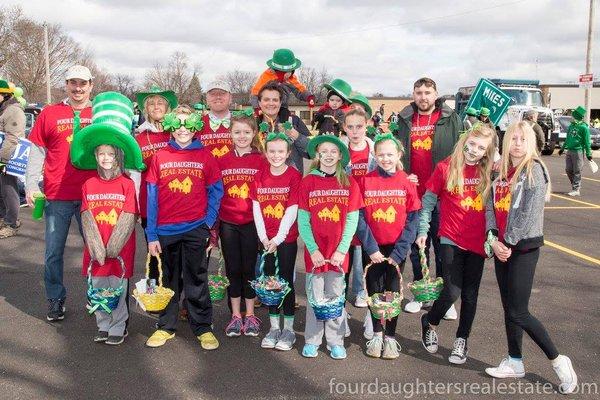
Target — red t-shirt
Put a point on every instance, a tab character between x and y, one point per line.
462	218
181	177
502	197
217	142
53	130
421	142
238	177
328	204
275	194
388	200
150	143
106	200
359	161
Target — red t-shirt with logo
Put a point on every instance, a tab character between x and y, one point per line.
150	143
218	142
328	204
106	200
421	142
502	198
388	200
462	218
359	161
53	130
238	177
181	177
275	194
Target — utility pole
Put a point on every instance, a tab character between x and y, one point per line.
47	56
588	64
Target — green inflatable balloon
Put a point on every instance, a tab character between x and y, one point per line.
18	92
22	101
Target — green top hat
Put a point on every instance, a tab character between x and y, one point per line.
317	140
484	112
471	111
199	106
112	115
284	60
578	113
5	87
357	97
169	95
341	87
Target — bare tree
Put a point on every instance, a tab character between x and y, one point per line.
314	81
9	17
193	93
175	75
239	81
125	84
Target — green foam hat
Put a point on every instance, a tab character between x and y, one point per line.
314	143
357	97
169	95
112	116
284	60
484	112
578	113
5	87
341	87
471	111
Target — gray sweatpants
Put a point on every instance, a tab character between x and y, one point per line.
9	199
574	165
325	285
113	323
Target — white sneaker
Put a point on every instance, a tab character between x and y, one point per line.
507	369
451	314
368	325
574	193
375	346
413	307
360	302
568	378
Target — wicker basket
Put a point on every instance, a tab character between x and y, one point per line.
103	299
217	284
326	309
426	289
386	305
157	301
270	289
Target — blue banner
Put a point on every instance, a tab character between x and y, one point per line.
17	165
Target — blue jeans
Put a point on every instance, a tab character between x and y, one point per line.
355	285
58	220
432	238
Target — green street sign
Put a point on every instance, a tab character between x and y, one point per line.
488	95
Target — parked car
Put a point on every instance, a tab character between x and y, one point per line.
565	121
31	113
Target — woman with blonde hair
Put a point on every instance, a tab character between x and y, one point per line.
461	183
515	221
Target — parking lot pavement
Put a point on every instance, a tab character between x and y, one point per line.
59	361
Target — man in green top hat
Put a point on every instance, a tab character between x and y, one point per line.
470	118
359	100
12	123
577	141
282	67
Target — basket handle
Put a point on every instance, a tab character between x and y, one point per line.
262	263
389	261
423	262
89	271
160	272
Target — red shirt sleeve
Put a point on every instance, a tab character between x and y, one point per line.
437	181
303	194
294	188
355	202
153	173
254	186
212	171
36	135
84	203
130	205
413	203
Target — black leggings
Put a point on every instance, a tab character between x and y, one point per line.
239	245
153	269
462	275
515	279
383	277
286	254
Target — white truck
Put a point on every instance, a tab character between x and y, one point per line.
525	95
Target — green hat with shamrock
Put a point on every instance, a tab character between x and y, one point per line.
471	111
484	112
314	143
284	60
112	116
341	87
169	95
5	87
578	113
357	97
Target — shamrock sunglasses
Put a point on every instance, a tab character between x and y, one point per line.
193	122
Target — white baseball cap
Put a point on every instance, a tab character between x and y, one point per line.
218	85
79	72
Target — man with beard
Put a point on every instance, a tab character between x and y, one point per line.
428	130
51	139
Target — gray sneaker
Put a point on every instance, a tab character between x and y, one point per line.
271	339
286	340
391	348
374	346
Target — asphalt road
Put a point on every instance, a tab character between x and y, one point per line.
46	360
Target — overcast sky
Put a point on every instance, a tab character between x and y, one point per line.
376	45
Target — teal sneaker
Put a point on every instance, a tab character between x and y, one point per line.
310	350
338	352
